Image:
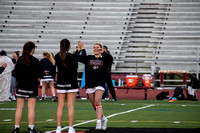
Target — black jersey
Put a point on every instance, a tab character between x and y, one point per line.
96	69
27	77
67	76
46	65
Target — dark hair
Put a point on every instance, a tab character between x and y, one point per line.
2	53
17	53
105	47
26	52
64	46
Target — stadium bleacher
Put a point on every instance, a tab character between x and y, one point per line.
162	34
140	34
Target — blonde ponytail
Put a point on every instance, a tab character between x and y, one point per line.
49	57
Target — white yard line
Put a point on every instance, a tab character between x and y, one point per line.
176	122
50	120
125	112
7	120
7	108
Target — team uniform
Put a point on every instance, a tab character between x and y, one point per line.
95	71
67	76
46	65
27	77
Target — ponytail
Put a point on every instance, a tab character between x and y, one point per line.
49	57
26	52
64	46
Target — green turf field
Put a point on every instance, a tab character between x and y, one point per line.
123	113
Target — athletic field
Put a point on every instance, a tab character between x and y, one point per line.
142	116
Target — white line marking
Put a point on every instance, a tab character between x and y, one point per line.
7	120
66	127
129	111
176	122
50	120
133	121
7	108
122	104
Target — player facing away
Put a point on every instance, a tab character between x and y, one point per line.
67	84
27	73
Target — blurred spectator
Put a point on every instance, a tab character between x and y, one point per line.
108	77
13	79
5	76
178	93
192	85
194	82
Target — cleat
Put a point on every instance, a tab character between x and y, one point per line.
58	131
13	98
71	130
104	124
15	130
115	100
42	99
32	131
54	99
98	126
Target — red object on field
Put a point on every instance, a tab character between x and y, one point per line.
147	79
131	80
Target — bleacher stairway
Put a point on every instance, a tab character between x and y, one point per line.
162	34
140	34
139	45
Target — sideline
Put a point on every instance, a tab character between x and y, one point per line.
120	113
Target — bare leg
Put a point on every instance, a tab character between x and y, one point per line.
46	90
95	99
98	98
61	105
51	84
19	110
44	85
92	100
71	97
31	110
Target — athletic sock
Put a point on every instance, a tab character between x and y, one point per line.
70	127
103	118
16	126
98	121
58	128
31	126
